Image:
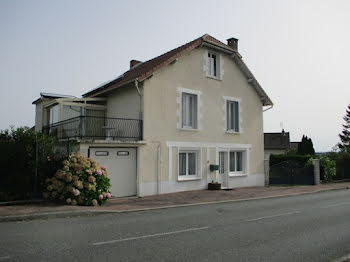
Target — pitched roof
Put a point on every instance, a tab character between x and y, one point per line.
276	140
142	71
51	95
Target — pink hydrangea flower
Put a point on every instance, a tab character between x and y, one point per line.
99	172
76	192
100	197
69	201
108	195
103	168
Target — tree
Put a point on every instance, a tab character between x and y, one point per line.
344	136
306	146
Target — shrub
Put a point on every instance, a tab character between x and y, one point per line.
81	181
299	159
24	155
327	167
343	166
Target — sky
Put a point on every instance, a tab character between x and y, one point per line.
297	50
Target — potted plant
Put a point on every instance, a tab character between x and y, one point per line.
214	186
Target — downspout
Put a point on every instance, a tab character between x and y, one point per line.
159	171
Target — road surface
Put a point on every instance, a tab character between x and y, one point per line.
313	227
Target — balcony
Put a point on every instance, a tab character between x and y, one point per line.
93	127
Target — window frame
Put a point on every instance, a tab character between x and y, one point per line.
227	101
242	164
194	111
188	176
213	65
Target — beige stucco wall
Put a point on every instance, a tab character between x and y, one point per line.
124	102
161	117
160	109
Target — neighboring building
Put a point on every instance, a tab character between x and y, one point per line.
294	145
160	125
278	143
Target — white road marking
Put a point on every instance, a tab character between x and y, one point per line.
278	215
335	205
5	257
148	236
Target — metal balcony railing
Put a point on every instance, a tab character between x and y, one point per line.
95	127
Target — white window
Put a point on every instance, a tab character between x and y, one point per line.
213	65
188	164
189	110
53	118
236	161
232	115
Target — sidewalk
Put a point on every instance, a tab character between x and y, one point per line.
200	197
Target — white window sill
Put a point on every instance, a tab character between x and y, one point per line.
188	178
188	129
237	174
232	132
214	77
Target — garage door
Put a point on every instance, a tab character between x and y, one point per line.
121	167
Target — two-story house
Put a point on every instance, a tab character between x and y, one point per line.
160	125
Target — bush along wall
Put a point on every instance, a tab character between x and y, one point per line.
26	157
299	159
343	166
80	181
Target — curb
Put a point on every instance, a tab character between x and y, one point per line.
66	214
49	215
21	202
217	202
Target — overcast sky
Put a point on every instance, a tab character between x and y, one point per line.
297	50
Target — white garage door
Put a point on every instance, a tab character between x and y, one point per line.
121	168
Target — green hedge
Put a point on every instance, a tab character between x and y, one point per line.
300	159
18	163
343	166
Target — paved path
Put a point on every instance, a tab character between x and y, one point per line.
20	212
313	227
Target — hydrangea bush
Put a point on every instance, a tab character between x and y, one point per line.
80	181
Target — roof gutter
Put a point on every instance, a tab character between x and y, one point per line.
271	106
103	90
217	48
251	79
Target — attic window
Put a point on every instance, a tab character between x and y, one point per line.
213	65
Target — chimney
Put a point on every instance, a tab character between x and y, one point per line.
233	43
134	63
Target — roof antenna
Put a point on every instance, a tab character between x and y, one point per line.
281	125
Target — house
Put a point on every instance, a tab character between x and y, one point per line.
278	143
159	126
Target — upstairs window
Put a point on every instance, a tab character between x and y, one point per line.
232	114
54	114
189	110
213	65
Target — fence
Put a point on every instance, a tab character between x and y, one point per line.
291	173
96	127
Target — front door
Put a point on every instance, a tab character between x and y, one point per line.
223	170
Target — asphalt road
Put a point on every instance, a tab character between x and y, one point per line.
312	227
